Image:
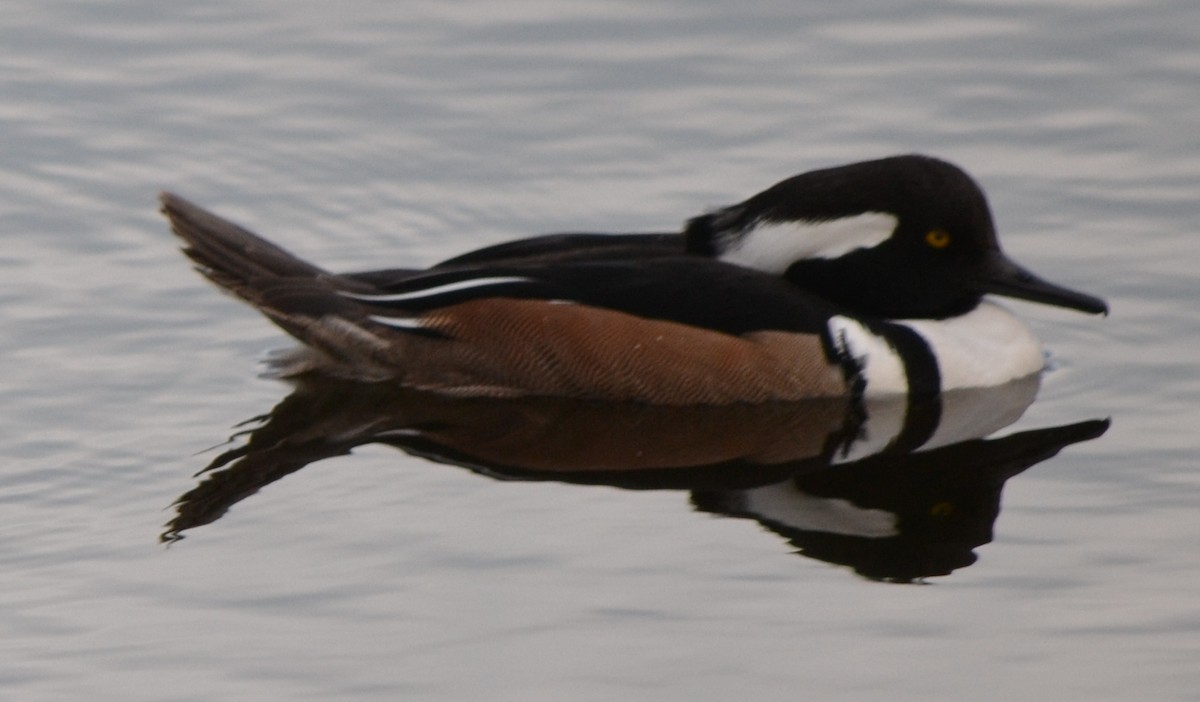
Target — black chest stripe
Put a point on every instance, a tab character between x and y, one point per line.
924	385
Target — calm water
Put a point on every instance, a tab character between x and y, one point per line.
400	133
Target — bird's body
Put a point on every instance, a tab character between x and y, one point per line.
864	279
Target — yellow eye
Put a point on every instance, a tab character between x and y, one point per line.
937	238
942	509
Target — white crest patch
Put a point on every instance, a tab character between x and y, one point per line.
773	246
446	289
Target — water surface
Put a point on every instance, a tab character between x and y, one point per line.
402	133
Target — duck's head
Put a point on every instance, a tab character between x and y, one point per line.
899	238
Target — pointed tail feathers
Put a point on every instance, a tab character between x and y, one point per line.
226	252
296	295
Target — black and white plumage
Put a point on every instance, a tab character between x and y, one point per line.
867	278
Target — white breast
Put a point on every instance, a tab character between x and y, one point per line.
986	347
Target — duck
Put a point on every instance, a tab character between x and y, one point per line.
866	280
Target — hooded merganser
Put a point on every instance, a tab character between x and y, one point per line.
862	280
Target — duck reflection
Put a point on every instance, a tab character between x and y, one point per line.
896	491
